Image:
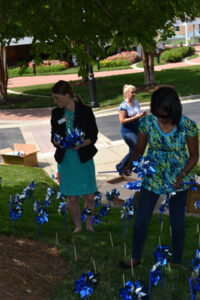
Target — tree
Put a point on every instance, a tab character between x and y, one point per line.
59	25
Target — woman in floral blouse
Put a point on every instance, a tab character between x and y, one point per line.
168	134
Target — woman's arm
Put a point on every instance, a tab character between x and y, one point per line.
90	127
139	149
193	148
123	117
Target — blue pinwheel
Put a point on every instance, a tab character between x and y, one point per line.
194	287
143	167
97	199
42	215
85	284
50	193
155	274
113	195
15	209
60	196
104	211
133	291
73	138
28	191
84	214
162	255
128	211
95	221
62	209
136	186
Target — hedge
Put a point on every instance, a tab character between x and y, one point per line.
175	54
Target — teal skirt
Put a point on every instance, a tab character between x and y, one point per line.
76	178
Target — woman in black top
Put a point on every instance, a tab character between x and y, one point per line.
75	166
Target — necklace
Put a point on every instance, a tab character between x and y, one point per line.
69	117
165	130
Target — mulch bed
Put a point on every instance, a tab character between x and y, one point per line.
29	269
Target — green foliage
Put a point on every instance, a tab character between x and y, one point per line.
141	65
175	54
109	89
106	257
114	63
24	69
192	56
69	26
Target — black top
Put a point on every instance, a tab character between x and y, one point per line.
84	119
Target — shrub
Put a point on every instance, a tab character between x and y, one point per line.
175	54
114	63
39	69
131	56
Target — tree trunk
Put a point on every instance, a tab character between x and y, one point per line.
3	75
149	76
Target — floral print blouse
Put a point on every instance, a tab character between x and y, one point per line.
168	152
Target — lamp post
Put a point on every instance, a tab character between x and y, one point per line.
34	68
92	83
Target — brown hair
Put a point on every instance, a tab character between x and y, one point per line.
63	87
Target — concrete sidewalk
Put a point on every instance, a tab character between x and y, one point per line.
34	125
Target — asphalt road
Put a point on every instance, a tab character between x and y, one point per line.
110	127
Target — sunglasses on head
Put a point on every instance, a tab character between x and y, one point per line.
164	117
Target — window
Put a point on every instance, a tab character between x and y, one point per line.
177	28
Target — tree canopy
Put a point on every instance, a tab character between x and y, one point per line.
62	24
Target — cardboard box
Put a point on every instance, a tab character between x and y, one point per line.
29	158
191	198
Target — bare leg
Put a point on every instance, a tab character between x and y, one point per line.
89	202
75	212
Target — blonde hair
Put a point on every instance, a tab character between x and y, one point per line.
126	87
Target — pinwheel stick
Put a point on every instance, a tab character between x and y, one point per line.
111	240
14	225
123	277
95	270
125	249
56	238
191	291
132	271
161	226
75	254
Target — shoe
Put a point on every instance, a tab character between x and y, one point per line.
120	173
127	264
180	266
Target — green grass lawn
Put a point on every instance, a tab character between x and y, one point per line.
106	257
13	72
141	65
109	89
192	56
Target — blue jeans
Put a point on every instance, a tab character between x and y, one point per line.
146	204
130	139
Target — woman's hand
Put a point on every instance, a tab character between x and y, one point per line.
179	181
140	114
86	142
58	146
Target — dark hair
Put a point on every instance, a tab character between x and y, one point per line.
63	87
166	99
